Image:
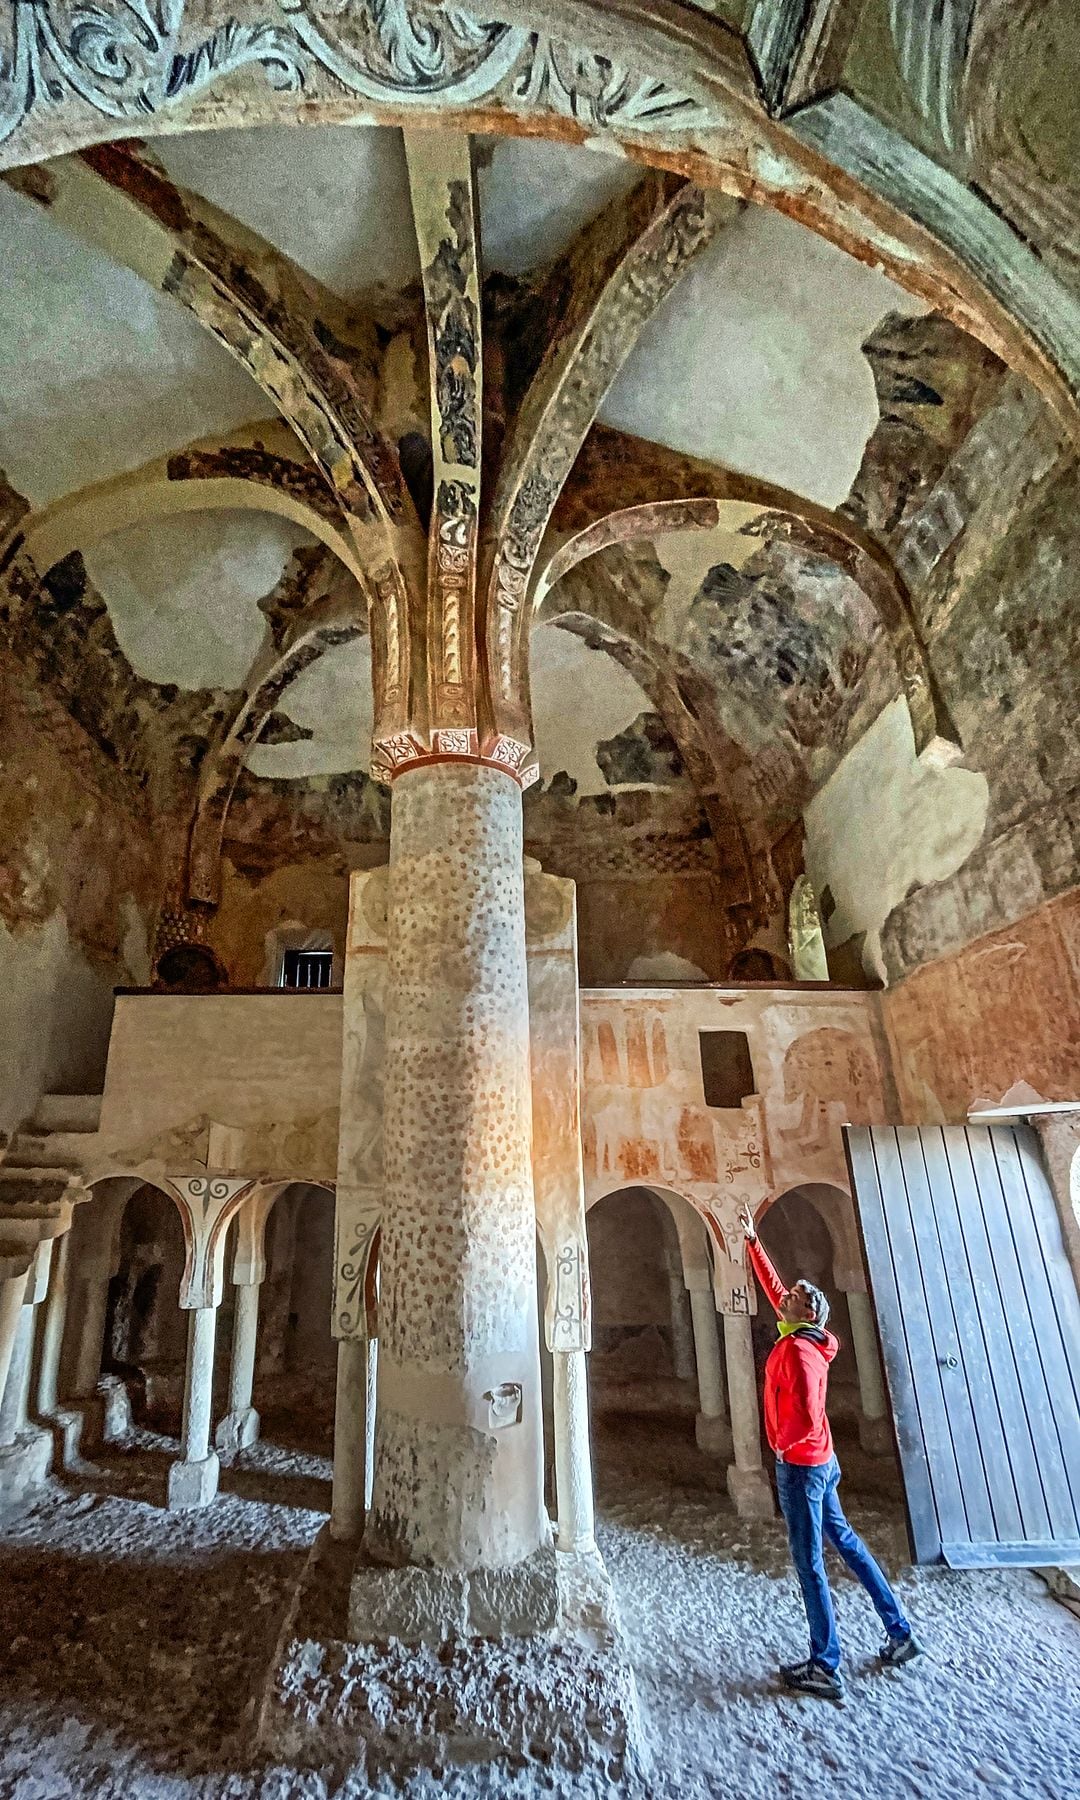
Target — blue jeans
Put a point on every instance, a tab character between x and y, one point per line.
813	1512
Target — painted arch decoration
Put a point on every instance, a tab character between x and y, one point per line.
941	157
130	59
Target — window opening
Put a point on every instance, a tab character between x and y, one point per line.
727	1071
307	968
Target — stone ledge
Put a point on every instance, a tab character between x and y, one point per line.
428	1606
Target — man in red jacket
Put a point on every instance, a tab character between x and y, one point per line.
807	1476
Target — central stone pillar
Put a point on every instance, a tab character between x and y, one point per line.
459	1433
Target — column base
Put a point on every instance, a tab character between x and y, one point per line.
71	1440
875	1436
750	1490
238	1430
379	1712
116	1415
24	1465
713	1435
193	1483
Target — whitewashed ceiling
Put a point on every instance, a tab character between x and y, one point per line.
754	362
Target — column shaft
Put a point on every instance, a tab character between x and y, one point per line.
459	1446
15	1401
52	1336
573	1455
93	1304
199	1385
710	1371
747	1482
354	1432
682	1330
874	1429
245	1338
11	1299
193	1480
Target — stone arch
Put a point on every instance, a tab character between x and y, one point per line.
297	1313
760	510
642	1342
617	629
863	187
97	1226
263	468
145	1332
836	1210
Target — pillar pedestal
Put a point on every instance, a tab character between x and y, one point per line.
458	1487
747	1481
239	1429
875	1432
193	1481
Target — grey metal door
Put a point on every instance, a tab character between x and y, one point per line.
979	1321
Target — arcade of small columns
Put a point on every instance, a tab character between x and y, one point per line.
437	1179
56	1301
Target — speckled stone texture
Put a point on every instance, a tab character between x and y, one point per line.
458	1452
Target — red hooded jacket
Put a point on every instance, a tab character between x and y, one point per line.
796	1377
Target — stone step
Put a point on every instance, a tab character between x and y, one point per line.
31	1187
50	1150
66	1112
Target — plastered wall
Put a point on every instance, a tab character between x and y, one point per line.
77	887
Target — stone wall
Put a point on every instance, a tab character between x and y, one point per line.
77	892
1004	1009
968	481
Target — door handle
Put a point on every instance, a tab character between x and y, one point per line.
949	1362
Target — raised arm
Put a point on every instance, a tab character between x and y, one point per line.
762	1266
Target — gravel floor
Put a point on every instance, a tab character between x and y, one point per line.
133	1639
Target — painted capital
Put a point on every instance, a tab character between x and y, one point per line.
208	1204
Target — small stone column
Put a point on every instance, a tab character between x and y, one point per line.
459	1428
194	1480
52	1335
12	1289
354	1436
240	1426
14	1406
93	1302
747	1481
874	1432
712	1429
573	1454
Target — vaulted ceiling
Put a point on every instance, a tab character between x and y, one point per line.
721	610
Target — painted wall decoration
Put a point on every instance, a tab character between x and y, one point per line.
816	1066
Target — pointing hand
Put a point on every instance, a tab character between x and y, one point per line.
746	1220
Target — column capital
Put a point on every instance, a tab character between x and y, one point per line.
391	756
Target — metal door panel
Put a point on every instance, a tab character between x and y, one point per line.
979	1320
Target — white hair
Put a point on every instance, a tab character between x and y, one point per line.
817	1301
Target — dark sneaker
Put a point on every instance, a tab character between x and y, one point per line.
811	1678
895	1652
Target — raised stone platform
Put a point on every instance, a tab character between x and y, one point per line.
561	1698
